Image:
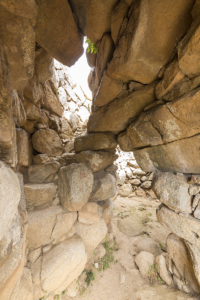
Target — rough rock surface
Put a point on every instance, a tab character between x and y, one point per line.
178	252
104	186
53	21
95	141
60	262
43	172
91	235
172	190
39	194
47	141
115	116
10	196
93	17
144	261
131	60
74	186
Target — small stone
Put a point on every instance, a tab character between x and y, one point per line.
135	181
138	172
129	173
146	185
195	200
144	261
197	211
144	178
140	193
162	270
194	189
125	190
96	265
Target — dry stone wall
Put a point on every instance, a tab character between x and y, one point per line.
56	192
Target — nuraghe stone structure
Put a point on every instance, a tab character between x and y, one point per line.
55	205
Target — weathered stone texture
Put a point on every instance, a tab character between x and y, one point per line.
18	38
179	156
39	194
94	18
172	190
104	186
187	228
54	19
115	116
59	262
47	141
92	235
95	141
108	90
141	59
74	186
178	252
43	172
43	65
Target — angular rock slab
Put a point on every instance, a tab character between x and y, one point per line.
167	123
180	156
39	194
104	186
92	235
74	186
108	90
178	252
141	59
43	172
172	190
94	18
56	31
96	160
44	65
10	194
95	141
60	262
115	116
47	141
187	228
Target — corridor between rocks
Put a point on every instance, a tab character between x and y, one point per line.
100	197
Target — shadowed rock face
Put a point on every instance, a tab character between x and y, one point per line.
55	23
94	17
150	37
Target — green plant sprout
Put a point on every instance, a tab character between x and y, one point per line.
92	47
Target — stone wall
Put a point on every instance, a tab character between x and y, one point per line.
55	202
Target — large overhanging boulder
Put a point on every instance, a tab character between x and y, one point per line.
151	35
94	17
56	31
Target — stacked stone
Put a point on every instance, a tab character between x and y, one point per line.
132	181
151	103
